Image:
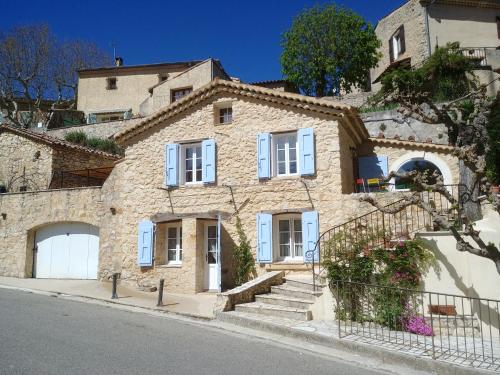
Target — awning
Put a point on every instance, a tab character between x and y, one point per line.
403	63
209	215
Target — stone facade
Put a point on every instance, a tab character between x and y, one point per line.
135	189
25	212
30	165
412	16
132	84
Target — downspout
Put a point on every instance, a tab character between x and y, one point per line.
427	31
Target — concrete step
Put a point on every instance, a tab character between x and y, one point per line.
303	283
278	311
281	300
295	292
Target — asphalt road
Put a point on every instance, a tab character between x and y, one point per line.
47	335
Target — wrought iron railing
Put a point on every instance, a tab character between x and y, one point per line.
381	229
458	329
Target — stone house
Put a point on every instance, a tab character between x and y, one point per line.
32	161
286	165
122	92
411	33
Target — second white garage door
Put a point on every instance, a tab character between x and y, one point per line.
67	251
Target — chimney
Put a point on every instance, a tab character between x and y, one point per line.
118	61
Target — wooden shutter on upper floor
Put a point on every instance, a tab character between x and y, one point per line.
208	161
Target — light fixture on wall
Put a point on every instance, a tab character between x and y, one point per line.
4	216
113	210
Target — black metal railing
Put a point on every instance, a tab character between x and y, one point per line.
381	229
477	55
453	328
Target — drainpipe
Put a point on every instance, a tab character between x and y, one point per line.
427	31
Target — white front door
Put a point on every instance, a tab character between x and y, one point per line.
67	251
211	258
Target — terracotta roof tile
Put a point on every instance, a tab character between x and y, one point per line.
52	141
218	85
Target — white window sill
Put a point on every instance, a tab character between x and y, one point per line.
171	265
287	176
289	261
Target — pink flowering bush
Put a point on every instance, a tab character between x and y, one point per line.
418	325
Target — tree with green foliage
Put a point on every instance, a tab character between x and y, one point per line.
329	50
445	91
245	264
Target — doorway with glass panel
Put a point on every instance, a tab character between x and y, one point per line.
212	257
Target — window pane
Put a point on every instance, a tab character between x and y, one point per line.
180	255
212	231
189	176
292	154
284	238
189	153
171	255
284	225
297	225
198	152
198	175
172	232
189	164
281	155
172	243
298	250
282	168
284	250
293	167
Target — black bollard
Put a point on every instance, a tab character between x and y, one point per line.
160	293
115	280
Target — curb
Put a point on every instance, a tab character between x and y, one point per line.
109	302
385	356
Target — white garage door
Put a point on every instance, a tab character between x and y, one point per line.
67	251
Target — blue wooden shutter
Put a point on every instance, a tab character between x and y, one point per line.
373	167
172	164
306	152
264	155
145	244
208	160
310	234
264	238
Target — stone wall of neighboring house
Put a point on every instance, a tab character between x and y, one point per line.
195	77
131	88
472	26
25	212
100	130
392	124
20	156
143	171
412	16
355	99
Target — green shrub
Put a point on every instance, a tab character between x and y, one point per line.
493	156
102	144
245	264
76	136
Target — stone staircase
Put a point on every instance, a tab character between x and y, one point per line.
291	300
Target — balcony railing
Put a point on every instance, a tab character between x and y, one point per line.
478	55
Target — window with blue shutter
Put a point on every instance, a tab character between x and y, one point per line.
208	160
145	244
310	234
373	167
306	152
264	238
172	164
264	155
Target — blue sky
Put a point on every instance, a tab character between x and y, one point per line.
245	35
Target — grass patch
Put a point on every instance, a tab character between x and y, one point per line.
107	145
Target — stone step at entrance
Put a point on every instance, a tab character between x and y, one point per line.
292	300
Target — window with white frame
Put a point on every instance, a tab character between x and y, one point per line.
191	163
397	44
174	243
225	115
289	237
285	151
